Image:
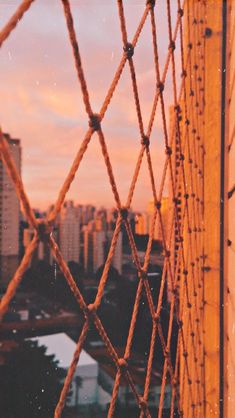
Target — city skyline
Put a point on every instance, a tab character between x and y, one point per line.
83	232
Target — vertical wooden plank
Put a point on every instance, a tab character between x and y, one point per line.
229	235
212	214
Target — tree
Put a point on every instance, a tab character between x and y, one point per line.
113	275
77	272
30	382
39	278
45	280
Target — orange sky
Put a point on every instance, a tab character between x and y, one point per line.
41	98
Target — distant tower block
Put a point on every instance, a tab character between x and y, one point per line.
117	256
98	249
142	223
69	232
9	216
88	247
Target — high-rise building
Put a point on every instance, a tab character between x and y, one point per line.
88	247
69	232
142	223
99	239
101	220
150	212
117	256
94	247
97	242
43	250
88	212
9	216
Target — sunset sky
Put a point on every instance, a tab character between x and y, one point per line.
41	98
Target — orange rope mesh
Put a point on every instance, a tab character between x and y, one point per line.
182	243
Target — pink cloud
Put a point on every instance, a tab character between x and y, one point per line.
43	104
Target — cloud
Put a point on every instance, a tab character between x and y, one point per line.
43	103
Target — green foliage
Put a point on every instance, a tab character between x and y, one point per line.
30	382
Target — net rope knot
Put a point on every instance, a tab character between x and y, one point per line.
122	364
167	253
166	354
160	86
150	3
180	12
143	404
142	274
157	318
171	46
175	382
158	205
168	150
44	230
175	291
124	213
90	311
177	109
94	121
129	50
145	141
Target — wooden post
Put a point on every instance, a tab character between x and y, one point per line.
202	130
212	210
229	215
202	318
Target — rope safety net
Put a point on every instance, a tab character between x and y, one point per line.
183	240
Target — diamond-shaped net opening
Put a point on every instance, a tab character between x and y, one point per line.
167	308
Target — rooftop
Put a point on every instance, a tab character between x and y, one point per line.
63	348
